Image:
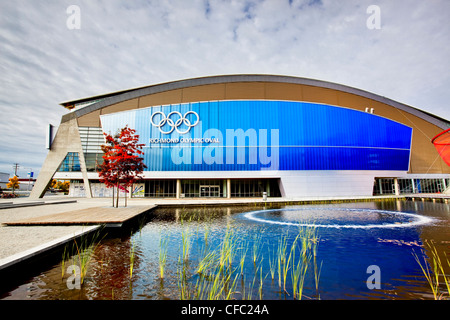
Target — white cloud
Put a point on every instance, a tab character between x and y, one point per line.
125	44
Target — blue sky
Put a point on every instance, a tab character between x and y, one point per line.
127	44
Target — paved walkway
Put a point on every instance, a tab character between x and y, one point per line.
19	242
88	216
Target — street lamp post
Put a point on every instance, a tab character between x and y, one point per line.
30	175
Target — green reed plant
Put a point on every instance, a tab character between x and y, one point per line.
217	278
186	243
272	263
256	247
163	247
206	233
243	253
221	285
261	281
317	270
298	273
183	285
132	256
85	247
284	260
231	289
438	267
434	270
65	257
294	260
228	248
309	245
207	263
249	295
281	257
217	273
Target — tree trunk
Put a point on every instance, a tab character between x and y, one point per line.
118	192
113	197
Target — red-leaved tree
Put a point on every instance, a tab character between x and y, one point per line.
122	163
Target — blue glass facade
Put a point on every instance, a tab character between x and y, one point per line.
70	163
264	135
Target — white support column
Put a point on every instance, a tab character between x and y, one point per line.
229	188
396	187
380	185
224	189
178	188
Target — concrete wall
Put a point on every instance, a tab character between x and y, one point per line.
67	139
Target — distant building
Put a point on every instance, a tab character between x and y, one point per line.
26	184
242	135
4	179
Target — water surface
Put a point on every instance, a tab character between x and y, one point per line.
349	238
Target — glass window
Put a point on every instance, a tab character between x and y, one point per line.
91	140
70	163
161	188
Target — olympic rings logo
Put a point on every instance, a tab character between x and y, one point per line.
174	124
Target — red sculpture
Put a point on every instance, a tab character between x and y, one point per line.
442	145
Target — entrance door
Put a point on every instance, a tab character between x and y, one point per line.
210	191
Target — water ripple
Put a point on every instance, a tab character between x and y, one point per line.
413	220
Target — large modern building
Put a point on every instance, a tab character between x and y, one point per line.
242	135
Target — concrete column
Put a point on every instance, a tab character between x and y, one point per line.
67	139
224	188
396	187
229	188
178	188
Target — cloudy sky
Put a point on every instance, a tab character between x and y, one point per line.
125	44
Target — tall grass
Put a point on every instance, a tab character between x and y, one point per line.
217	277
293	259
272	264
281	261
256	247
65	257
163	247
132	256
434	271
186	235
243	253
81	253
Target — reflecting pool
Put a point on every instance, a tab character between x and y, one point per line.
367	250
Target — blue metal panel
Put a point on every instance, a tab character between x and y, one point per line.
266	135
